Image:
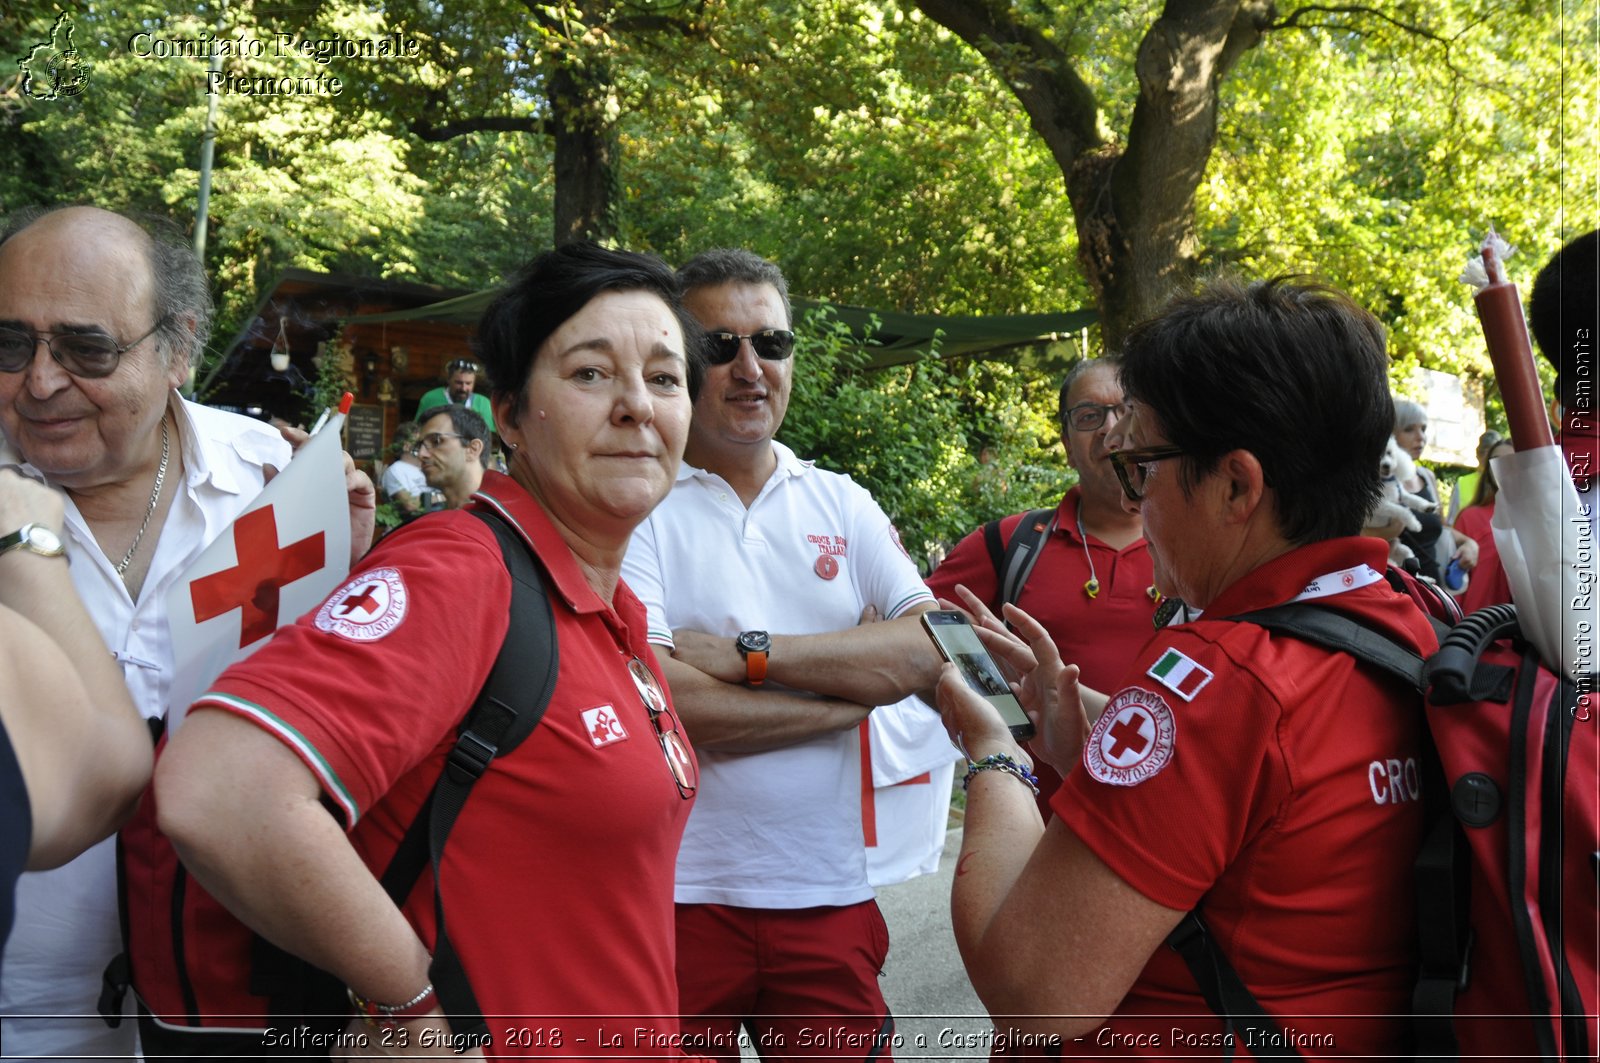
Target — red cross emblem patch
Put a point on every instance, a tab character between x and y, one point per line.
366	608
602	726
1132	740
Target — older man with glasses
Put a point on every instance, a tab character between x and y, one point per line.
1083	569
100	319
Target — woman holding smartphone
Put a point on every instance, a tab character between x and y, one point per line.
1229	767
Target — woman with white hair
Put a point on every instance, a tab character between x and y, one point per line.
1437	544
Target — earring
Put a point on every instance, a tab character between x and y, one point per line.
541	415
512	446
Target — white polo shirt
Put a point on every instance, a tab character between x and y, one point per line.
782	828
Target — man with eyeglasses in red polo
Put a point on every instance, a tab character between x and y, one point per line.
1087	574
777	928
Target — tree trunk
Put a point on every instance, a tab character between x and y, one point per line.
585	138
1132	202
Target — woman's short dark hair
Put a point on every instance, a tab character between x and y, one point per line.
555	286
1296	373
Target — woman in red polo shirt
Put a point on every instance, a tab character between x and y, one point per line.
557	879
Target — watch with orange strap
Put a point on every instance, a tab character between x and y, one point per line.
754	647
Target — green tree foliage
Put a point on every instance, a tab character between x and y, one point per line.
298	181
1404	143
1366	142
865	150
942	446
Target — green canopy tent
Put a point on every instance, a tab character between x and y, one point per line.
896	339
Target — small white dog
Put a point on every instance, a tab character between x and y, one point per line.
1394	469
1396	507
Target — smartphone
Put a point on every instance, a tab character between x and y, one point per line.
958	643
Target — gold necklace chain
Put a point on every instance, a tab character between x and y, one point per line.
150	510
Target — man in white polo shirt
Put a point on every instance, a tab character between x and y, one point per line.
777	927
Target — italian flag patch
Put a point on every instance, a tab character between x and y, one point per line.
1179	674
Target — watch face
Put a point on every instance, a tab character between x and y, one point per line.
43	540
754	641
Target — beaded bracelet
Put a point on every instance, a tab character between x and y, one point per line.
1001	762
389	1016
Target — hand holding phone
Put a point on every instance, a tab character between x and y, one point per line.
958	643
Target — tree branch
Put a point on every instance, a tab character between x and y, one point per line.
654	24
490	124
1295	17
1059	103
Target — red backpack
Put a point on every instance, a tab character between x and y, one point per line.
1508	878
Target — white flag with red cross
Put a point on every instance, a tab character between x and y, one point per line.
279	559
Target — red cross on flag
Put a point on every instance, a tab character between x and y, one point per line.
279	559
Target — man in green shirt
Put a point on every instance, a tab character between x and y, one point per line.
461	389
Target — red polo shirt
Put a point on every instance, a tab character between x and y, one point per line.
1277	782
558	874
1100	634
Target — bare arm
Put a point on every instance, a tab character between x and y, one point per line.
84	761
245	815
734	718
1027	899
84	752
1466	550
873	664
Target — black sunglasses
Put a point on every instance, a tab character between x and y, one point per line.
89	355
1133	467
771	344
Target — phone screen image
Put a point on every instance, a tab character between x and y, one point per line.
958	643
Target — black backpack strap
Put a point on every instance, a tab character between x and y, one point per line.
509	707
1335	631
1013	567
1225	992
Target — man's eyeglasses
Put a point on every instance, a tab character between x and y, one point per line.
462	365
433	441
89	355
679	762
1087	416
771	344
1133	467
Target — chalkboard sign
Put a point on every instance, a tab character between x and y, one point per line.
364	432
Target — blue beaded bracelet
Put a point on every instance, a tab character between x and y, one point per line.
1001	762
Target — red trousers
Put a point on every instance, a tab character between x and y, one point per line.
803	982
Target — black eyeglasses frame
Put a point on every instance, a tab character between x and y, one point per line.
1129	465
1100	410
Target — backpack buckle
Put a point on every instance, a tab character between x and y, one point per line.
470	757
